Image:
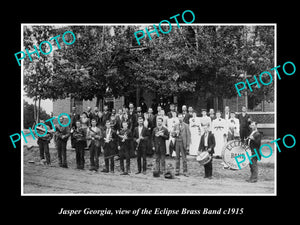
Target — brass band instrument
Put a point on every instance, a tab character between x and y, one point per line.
48	136
159	133
123	137
107	140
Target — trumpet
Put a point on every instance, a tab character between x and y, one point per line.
124	137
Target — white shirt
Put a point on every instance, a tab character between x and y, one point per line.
108	133
227	116
140	130
206	139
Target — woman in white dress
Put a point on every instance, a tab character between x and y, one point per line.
195	134
220	131
233	127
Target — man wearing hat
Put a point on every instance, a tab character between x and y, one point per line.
61	137
110	146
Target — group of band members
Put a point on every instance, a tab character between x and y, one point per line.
131	132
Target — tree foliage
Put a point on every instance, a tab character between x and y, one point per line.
105	61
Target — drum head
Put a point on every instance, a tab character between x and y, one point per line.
231	150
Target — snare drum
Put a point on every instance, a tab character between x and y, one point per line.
203	158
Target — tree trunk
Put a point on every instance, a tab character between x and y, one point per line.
38	111
99	99
34	111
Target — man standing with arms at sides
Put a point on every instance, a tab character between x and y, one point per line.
159	136
93	137
207	143
244	120
254	142
61	137
182	144
141	136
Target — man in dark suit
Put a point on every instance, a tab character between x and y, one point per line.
159	136
110	138
182	143
207	143
74	117
254	140
61	137
132	123
244	120
151	126
141	135
93	137
125	137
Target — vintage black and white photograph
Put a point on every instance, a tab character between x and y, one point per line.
144	109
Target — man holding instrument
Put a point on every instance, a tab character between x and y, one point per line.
43	143
93	137
207	143
140	136
125	137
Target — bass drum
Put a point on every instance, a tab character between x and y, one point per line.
231	150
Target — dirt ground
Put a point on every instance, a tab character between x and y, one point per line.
42	179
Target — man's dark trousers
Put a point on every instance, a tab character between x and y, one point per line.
62	153
125	154
44	150
109	152
79	149
142	153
